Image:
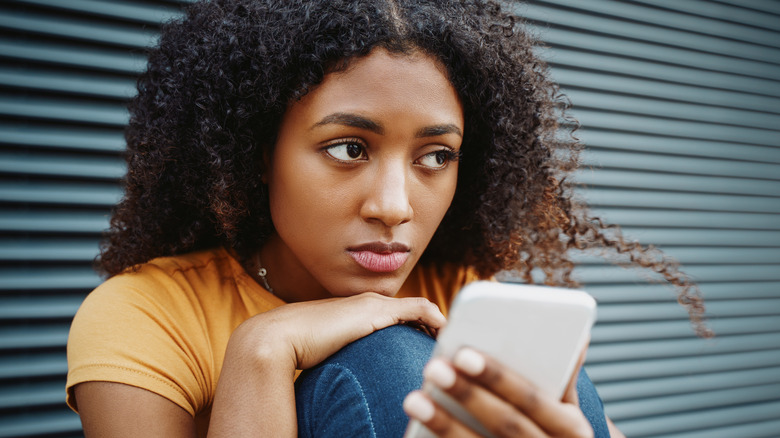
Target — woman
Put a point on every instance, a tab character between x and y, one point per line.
296	167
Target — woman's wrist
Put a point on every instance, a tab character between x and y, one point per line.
257	376
261	344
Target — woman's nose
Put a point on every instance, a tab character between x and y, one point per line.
387	200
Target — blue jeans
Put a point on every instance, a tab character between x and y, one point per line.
358	392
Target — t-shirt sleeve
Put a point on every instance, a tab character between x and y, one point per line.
124	333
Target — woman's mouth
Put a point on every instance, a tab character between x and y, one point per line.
379	256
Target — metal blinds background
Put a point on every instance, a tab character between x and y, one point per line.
66	71
680	103
680	107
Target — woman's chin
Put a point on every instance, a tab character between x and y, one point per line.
385	288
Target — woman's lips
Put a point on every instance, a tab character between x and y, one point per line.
380	256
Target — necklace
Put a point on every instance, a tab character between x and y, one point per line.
262	272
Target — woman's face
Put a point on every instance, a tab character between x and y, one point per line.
363	171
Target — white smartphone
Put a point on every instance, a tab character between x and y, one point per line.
538	331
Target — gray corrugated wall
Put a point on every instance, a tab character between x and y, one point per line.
67	68
680	107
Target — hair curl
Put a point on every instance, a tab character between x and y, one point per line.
209	106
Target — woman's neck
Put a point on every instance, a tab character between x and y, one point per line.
284	274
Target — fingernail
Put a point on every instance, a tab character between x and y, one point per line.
418	406
441	374
469	361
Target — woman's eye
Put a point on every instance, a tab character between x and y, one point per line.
347	152
438	159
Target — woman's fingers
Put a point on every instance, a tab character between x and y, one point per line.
418	406
378	311
505	403
317	329
502	419
419	312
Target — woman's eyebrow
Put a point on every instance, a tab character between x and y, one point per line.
353	120
435	130
361	122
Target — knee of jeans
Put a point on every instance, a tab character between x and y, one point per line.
393	351
394	346
367	379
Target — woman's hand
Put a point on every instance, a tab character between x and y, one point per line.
255	395
309	332
506	404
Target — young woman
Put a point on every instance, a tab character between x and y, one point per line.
306	180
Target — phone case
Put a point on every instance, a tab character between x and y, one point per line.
538	331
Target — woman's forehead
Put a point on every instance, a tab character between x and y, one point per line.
383	83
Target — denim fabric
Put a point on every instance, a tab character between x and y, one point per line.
591	405
359	391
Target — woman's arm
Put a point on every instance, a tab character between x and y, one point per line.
255	395
250	388
116	410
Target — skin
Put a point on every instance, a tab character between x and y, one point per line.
504	402
359	159
398	116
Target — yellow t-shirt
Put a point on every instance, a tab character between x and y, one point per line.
165	327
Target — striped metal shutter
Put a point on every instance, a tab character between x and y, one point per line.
680	103
67	67
680	107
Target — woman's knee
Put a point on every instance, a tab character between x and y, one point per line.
397	353
359	390
398	345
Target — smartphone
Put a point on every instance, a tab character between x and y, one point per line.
538	331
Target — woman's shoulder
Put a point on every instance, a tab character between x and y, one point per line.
203	282
163	288
172	277
179	268
164	325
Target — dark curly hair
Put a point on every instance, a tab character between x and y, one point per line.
217	85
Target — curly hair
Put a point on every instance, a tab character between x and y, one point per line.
218	83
